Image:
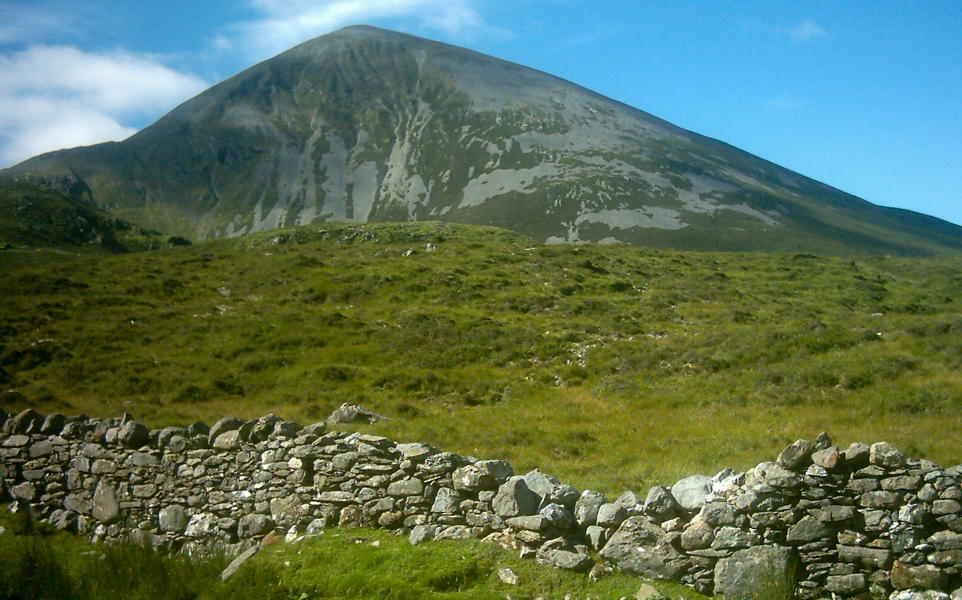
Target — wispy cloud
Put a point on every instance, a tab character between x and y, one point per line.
54	97
23	23
807	31
284	23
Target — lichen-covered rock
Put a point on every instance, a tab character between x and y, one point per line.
222	426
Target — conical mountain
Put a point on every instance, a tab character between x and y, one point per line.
370	125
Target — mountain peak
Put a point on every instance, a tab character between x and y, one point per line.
366	124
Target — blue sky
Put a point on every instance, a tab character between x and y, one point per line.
866	97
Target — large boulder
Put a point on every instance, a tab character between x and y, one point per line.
24	423
768	572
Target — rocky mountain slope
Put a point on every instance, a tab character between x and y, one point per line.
370	125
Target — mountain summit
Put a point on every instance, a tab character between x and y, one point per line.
366	125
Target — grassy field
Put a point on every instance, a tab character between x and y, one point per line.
347	564
612	367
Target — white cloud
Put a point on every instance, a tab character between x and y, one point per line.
289	22
54	97
807	31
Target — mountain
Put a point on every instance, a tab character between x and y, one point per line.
369	125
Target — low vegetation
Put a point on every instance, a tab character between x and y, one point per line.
37	564
612	367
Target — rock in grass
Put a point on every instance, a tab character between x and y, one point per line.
649	592
507	576
237	562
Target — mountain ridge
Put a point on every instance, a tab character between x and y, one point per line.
365	124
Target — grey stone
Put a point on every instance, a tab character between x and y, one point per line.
558	516
447	502
202	525
514	499
649	592
768	572
628	499
133	435
472	478
717	514
586	508
172	519
499	470
222	426
856	455
597	536
104	506
25	491
229	440
828	458
637	547
254	525
795	455
540	483
611	515
53	424
691	493
873	558
883	454
353	413
237	562
26	422
848	585
807	530
422	533
697	536
416	452
406	487
563	559
927	577
507	576
288	511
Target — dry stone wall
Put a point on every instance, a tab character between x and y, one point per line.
818	522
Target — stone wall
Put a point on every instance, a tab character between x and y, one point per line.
819	521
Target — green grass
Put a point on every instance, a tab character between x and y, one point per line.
37	564
611	367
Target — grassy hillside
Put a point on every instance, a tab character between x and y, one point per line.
610	366
33	216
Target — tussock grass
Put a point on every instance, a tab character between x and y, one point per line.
610	366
